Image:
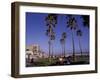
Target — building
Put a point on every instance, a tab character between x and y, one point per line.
34	52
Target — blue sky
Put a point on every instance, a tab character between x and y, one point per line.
36	28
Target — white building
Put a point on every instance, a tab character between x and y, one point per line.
34	52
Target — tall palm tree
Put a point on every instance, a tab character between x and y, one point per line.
79	34
72	24
51	21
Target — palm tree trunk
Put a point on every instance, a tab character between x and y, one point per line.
49	48
64	48
50	45
80	46
73	46
52	49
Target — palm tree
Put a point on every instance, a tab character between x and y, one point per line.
51	21
72	24
85	20
79	34
62	40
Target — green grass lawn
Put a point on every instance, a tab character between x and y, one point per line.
52	61
44	62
